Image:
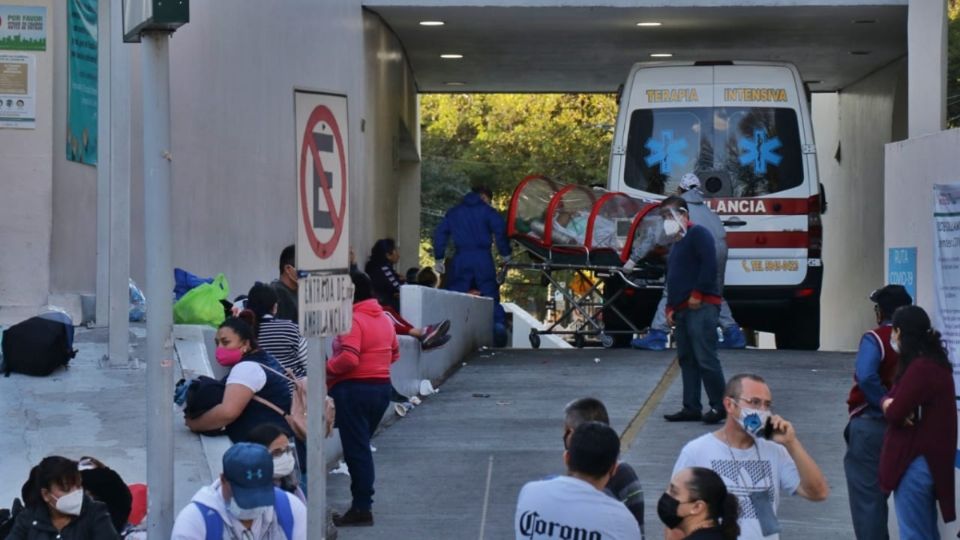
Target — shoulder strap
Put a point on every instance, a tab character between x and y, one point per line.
284	512
288	375
212	521
269	405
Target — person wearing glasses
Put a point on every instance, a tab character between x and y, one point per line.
759	457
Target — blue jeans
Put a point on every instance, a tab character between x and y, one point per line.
360	407
916	504
868	505
697	351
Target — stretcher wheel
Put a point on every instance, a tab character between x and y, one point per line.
579	341
607	341
534	339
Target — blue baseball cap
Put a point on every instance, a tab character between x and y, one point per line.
248	467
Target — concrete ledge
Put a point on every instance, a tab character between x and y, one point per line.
471	325
523	323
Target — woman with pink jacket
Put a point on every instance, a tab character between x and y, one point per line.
358	380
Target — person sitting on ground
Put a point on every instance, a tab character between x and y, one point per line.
285	468
243	503
286	285
57	508
278	337
256	390
358	379
575	502
624	485
698	506
101	483
431	336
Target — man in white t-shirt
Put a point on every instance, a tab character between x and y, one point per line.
575	506
758	456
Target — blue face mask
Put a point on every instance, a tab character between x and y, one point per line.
753	421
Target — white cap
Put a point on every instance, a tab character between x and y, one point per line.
689	181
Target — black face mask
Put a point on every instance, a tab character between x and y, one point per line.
667	508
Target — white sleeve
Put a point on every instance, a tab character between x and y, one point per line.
189	524
683	460
249	374
789	475
299	517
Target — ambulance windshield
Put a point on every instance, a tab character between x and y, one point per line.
736	151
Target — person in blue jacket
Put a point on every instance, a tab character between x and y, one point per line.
474	225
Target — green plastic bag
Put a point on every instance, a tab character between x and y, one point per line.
201	305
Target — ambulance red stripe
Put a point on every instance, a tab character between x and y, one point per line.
767	239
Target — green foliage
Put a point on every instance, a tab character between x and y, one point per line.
497	139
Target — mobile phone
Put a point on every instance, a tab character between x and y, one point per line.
768	429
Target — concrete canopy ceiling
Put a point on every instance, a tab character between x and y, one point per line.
578	47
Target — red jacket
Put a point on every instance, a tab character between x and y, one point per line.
367	352
927	388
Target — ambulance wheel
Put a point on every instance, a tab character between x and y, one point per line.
535	339
579	341
801	332
607	341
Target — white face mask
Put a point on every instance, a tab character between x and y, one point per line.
753	421
895	345
251	514
71	503
283	465
671	228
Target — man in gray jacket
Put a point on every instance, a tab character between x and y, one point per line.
701	214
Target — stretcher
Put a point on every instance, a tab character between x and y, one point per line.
591	233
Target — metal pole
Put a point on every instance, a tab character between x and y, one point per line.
119	167
316	424
103	168
155	62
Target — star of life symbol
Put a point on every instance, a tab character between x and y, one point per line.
666	151
760	151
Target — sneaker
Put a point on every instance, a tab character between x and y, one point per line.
655	340
436	342
713	416
683	415
733	338
353	518
432	331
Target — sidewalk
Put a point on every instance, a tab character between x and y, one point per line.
88	410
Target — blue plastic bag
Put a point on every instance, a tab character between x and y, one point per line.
185	281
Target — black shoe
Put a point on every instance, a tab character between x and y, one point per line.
684	415
713	416
353	518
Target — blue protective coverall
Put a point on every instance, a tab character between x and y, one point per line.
472	223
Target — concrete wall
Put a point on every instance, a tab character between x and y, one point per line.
232	76
393	151
26	219
860	120
912	168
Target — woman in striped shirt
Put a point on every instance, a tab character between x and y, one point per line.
281	338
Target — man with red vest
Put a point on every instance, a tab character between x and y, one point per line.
875	370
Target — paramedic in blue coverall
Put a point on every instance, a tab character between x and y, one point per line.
474	225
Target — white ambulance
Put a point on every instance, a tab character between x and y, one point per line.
744	129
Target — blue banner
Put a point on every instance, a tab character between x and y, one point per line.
902	269
82	87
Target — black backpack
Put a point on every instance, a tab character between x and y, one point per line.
8	516
38	345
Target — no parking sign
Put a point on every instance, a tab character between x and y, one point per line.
322	158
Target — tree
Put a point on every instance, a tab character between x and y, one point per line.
497	139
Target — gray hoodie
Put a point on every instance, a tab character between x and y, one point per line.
190	524
701	214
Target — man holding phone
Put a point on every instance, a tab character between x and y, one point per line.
758	455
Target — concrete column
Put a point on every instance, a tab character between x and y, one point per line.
927	66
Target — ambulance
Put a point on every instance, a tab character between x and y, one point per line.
744	129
